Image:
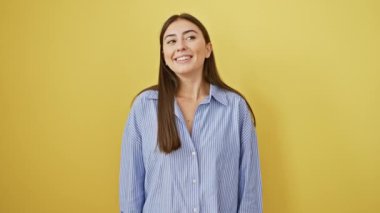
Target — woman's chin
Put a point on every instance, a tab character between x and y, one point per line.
185	73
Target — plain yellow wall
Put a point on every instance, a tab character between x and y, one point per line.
69	71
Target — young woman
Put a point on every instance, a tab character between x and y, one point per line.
190	142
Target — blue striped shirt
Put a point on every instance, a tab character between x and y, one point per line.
216	170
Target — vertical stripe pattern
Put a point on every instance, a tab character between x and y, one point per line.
216	170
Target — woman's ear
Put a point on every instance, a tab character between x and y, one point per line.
209	49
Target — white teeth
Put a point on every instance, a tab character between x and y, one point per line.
183	58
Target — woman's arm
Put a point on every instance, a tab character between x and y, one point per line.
250	194
132	171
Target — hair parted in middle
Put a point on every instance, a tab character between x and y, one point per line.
167	135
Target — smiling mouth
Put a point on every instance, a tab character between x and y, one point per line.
184	58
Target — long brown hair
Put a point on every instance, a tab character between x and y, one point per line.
168	83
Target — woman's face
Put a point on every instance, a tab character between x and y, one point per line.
185	48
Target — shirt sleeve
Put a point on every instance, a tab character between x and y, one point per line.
250	189
132	171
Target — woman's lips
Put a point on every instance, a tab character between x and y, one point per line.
183	59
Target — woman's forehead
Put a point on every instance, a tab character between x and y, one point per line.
179	26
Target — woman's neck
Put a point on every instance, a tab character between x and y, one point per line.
193	89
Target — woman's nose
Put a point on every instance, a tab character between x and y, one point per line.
181	45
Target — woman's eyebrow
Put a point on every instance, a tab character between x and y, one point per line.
187	31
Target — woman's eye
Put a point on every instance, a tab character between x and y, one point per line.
191	38
170	42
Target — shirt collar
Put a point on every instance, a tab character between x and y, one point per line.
218	94
215	92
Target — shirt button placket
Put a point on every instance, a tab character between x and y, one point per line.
193	153
194	181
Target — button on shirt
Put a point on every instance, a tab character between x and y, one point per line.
216	169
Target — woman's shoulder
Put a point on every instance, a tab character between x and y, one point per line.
233	97
236	100
143	99
147	95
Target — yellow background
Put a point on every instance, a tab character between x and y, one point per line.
69	71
